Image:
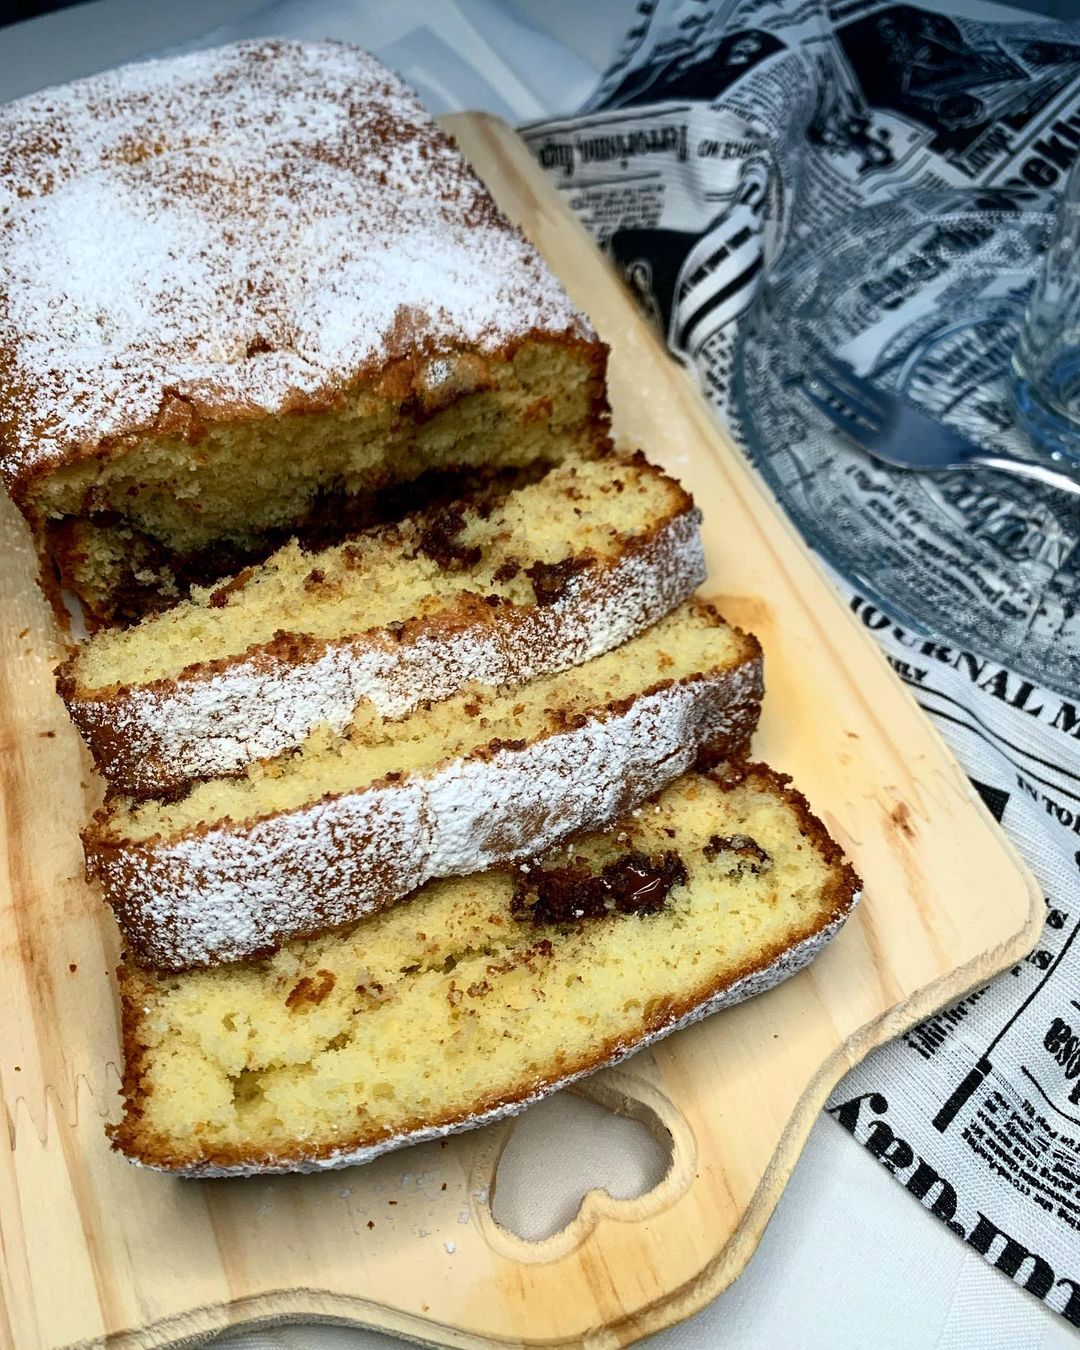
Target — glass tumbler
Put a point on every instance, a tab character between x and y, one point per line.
1046	363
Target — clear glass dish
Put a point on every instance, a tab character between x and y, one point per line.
925	293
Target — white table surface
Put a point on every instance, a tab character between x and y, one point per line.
849	1258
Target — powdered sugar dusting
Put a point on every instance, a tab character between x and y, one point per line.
238	231
151	738
206	898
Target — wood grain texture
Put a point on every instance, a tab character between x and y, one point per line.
95	1252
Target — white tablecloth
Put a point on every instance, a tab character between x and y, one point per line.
849	1258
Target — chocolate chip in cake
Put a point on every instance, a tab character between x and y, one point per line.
550	580
751	856
640	884
633	884
438	540
508	571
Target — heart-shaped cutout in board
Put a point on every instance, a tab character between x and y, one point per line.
565	1147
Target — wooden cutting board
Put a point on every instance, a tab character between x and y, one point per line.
96	1252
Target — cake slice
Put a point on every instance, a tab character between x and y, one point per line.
481	994
496	591
241	291
346	824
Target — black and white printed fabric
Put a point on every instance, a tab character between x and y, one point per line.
723	133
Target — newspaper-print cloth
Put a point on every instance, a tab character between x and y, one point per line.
722	132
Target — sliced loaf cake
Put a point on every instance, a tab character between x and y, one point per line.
497	590
481	994
348	823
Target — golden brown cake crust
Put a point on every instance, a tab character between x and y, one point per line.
238	233
771	965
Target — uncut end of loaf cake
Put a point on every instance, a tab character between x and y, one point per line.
481	994
242	291
499	592
349	824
